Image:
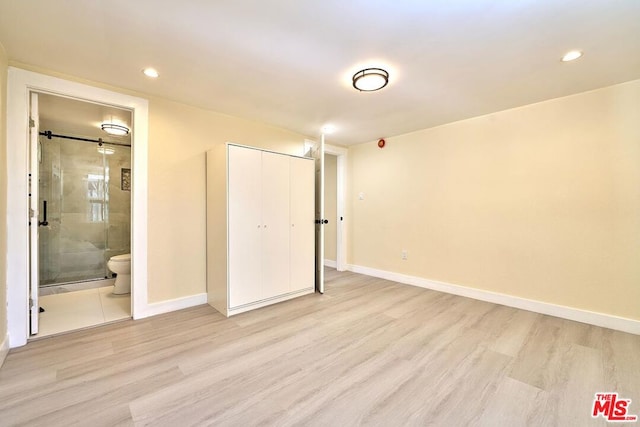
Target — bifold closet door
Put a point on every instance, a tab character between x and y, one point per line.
275	224
245	225
302	236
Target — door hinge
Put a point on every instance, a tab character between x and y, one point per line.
32	123
30	303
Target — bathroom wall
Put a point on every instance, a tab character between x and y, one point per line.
119	221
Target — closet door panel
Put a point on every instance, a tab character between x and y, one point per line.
275	220
245	226
302	236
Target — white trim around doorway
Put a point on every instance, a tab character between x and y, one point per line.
20	83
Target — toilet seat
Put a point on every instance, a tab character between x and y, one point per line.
121	258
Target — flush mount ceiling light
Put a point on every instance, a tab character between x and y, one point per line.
370	79
114	129
151	72
571	56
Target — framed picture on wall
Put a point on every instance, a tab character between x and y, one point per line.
125	179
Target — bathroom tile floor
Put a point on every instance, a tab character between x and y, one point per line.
80	309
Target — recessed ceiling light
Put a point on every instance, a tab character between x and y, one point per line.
571	56
151	72
328	129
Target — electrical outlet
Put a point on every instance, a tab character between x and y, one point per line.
404	255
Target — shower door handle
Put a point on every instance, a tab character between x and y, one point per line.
44	213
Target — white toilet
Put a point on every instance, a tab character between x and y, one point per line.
121	265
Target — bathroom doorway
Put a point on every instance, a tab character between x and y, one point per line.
22	295
84	212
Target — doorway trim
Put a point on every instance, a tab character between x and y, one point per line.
341	184
19	85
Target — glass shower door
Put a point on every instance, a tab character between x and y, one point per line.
50	196
74	185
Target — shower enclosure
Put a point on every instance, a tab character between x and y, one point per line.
85	205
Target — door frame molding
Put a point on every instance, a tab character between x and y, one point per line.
19	85
341	184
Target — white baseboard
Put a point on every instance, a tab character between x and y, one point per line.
593	318
4	349
330	263
172	305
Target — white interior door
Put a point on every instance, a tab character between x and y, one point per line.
34	214
318	155
302	219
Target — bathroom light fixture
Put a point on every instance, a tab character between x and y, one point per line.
151	72
571	56
106	150
114	129
370	79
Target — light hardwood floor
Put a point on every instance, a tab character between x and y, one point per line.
367	352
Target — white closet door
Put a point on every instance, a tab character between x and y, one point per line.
245	226
275	224
302	224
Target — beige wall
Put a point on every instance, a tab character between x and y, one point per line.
539	202
179	136
330	205
3	193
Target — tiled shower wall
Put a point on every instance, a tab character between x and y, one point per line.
88	211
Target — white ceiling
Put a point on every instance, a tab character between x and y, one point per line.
289	62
